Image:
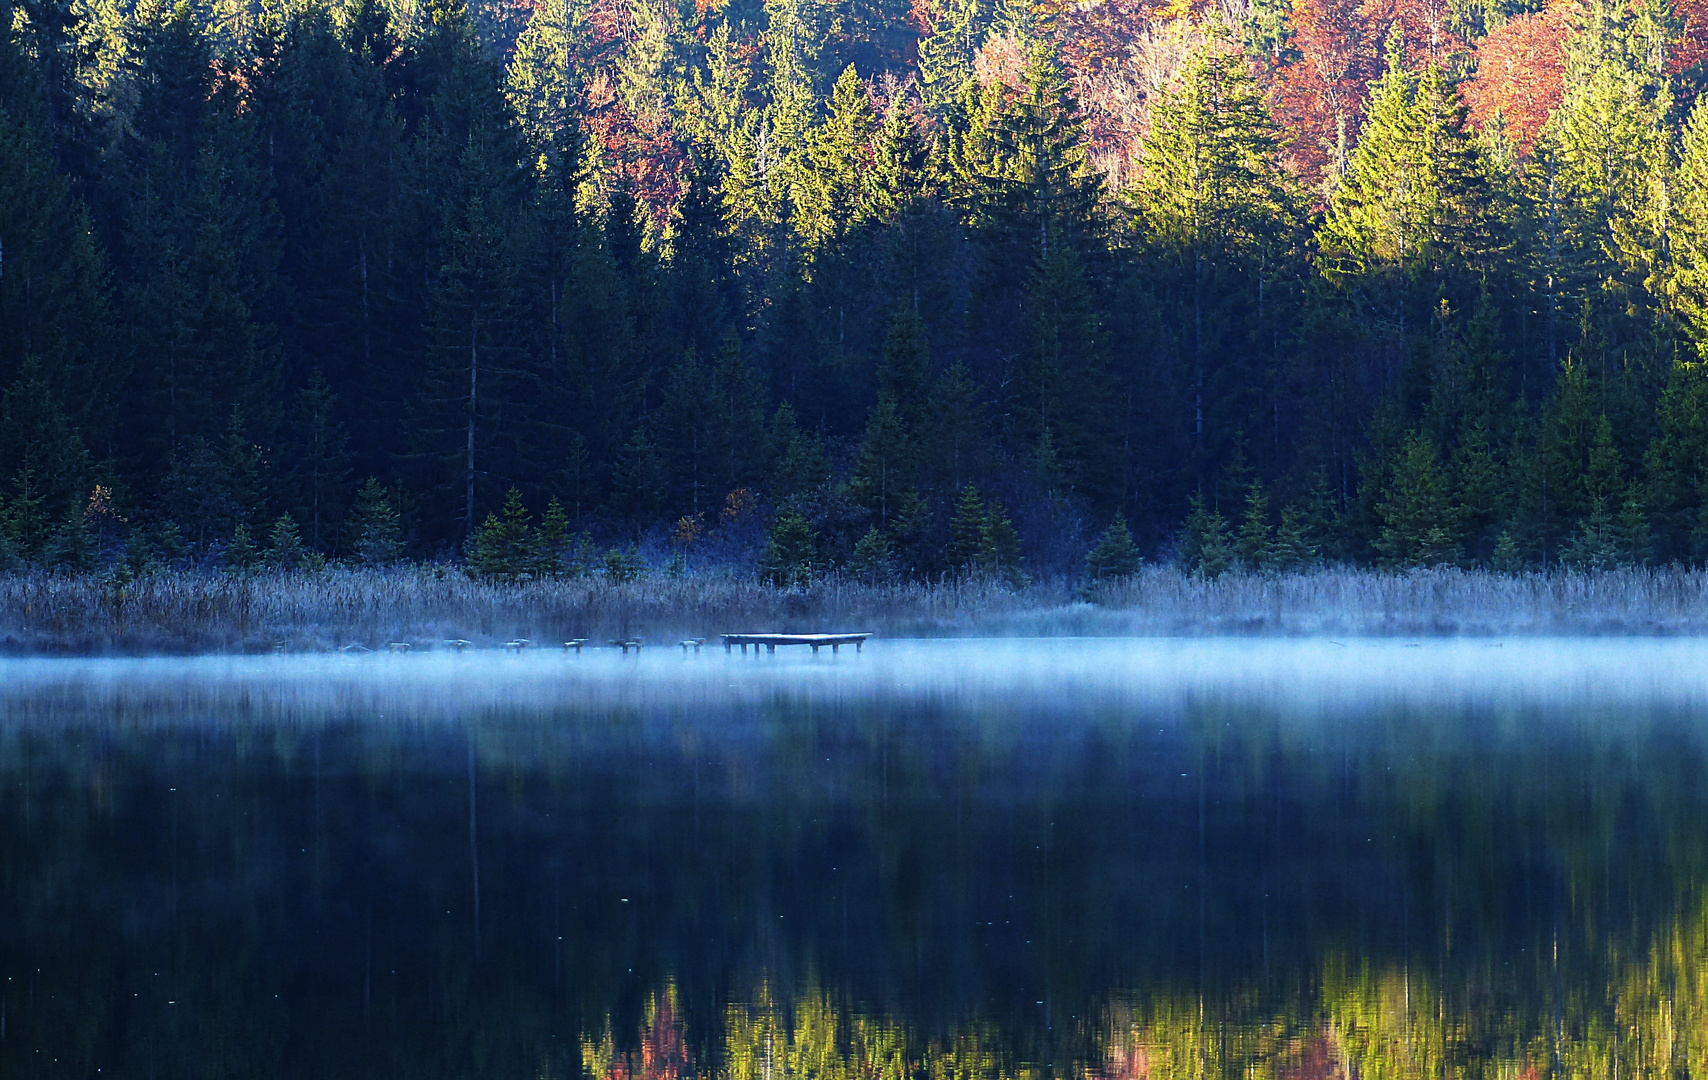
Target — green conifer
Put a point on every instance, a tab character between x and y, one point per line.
624	565
873	561
966	529
1506	559
553	542
1293	548
375	527
1419	521
791	552
240	553
1205	546
1256	544
1115	555
285	549
506	549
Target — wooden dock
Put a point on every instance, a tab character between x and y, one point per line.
771	641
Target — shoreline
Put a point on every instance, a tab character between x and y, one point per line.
43	614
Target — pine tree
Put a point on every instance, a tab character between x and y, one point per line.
966	530
506	549
1256	544
1206	547
882	479
555	555
375	528
791	552
1419	521
1115	555
1506	559
638	480
873	561
240	553
1293	548
285	549
74	543
1408	199
834	192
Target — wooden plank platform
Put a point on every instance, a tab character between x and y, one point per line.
771	641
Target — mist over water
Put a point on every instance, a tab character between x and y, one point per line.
970	859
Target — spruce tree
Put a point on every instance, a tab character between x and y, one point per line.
1419	521
1206	548
873	561
285	549
1256	544
1115	555
966	530
376	532
791	557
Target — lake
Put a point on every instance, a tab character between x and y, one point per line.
928	861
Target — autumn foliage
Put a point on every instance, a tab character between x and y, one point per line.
1520	73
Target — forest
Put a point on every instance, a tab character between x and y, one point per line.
905	291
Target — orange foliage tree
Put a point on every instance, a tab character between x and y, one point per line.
1520	76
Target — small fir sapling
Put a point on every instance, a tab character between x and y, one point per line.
376	527
1418	519
873	561
1256	548
791	552
623	565
1115	554
506	549
553	543
966	530
1506	557
74	543
240	553
1293	549
285	549
1205	545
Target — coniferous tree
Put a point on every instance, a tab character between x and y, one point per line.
1419	525
375	527
966	529
1115	555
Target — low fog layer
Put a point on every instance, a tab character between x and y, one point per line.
1308	677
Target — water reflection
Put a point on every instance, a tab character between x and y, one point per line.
943	861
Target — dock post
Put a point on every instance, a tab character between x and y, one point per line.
815	650
771	647
857	645
835	648
726	648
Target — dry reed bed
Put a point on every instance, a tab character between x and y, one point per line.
46	613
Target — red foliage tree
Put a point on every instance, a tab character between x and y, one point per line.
1521	69
1320	96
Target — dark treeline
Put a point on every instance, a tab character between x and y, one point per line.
339	281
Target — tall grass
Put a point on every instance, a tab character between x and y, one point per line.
196	612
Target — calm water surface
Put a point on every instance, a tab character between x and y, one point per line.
935	861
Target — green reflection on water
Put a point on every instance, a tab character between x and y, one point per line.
801	875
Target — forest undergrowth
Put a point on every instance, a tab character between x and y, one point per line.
301	611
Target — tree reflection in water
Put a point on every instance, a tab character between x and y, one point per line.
220	881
